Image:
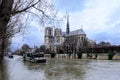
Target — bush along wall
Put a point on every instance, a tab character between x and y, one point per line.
52	54
79	54
111	55
96	55
88	55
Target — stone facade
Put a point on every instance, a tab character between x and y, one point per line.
69	41
49	38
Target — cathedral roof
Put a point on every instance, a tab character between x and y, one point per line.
77	32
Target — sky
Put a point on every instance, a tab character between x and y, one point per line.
100	20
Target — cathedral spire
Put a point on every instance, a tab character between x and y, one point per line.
67	26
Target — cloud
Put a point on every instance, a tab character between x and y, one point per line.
33	37
100	20
98	17
70	5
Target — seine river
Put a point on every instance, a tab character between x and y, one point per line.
60	69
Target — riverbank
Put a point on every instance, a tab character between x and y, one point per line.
100	56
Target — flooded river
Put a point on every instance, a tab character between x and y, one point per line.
60	69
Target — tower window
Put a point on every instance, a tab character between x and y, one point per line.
50	32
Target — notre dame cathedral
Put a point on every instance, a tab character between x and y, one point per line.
66	42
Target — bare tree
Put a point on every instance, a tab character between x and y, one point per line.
25	47
42	48
14	15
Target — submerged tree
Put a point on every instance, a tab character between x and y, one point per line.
15	15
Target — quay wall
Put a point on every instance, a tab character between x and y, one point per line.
100	56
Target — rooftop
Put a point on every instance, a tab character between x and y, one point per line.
75	32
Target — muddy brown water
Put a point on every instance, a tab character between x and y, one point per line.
60	69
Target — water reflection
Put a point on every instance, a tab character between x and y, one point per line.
103	70
65	70
34	66
58	69
18	70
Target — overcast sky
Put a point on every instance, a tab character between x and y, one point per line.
100	20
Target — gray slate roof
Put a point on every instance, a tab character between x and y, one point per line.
76	32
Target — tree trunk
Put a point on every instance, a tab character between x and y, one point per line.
3	48
5	9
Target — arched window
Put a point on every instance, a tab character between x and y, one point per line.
50	32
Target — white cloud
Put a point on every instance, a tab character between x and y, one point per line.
34	36
96	18
100	20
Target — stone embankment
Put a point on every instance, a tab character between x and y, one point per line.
100	56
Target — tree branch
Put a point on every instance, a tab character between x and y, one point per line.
20	11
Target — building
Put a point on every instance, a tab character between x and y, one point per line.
67	42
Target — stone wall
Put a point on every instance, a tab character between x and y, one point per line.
84	56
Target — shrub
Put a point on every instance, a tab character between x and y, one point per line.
96	55
79	54
52	54
88	55
111	55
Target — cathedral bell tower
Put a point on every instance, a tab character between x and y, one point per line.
49	39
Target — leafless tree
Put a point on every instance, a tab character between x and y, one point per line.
25	47
14	15
73	44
